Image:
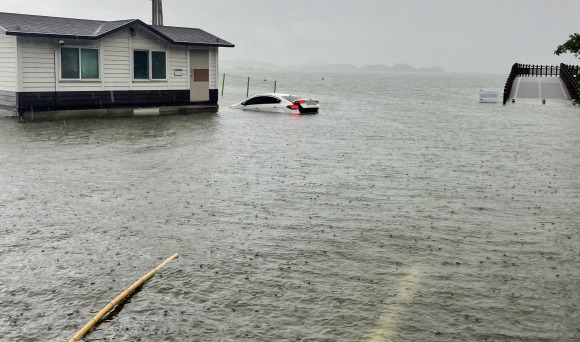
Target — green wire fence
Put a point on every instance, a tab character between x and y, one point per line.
236	81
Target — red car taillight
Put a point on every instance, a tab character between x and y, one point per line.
296	104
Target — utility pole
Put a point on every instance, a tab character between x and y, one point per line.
157	12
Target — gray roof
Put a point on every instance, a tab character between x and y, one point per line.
41	26
183	35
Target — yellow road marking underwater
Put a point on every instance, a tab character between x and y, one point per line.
387	323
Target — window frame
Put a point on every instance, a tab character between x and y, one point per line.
149	66
80	63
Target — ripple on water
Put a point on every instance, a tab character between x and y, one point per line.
299	228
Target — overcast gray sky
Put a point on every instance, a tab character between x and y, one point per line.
457	35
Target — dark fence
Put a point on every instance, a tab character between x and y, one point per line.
538	70
510	82
567	72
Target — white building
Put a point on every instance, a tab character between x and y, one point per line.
50	64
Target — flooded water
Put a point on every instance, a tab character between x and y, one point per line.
403	211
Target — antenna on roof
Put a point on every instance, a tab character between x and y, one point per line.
157	13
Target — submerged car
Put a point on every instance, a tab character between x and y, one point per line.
279	103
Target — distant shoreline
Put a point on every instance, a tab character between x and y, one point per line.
337	71
377	68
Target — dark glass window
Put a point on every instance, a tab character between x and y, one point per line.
271	100
141	65
69	62
261	100
158	65
89	63
252	101
78	63
141	60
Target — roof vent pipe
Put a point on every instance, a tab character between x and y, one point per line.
157	12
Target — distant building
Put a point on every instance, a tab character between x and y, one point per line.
110	67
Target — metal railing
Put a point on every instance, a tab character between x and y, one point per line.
510	82
568	75
237	81
538	70
566	72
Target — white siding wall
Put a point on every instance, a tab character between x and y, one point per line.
8	59
37	64
145	40
40	64
116	61
177	59
38	57
80	85
213	68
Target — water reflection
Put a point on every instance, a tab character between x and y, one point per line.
116	129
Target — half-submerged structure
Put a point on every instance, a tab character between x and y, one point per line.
53	67
542	82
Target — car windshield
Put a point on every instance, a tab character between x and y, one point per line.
291	98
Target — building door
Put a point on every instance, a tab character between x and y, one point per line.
199	75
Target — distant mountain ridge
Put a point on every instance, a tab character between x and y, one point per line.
398	68
253	65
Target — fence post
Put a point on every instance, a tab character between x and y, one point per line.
223	83
275	85
248	87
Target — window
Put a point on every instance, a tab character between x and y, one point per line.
142	68
141	65
261	100
79	63
158	68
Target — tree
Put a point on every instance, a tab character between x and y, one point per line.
572	45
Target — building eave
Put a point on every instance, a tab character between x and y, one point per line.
205	44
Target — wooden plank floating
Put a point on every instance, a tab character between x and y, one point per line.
119	298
